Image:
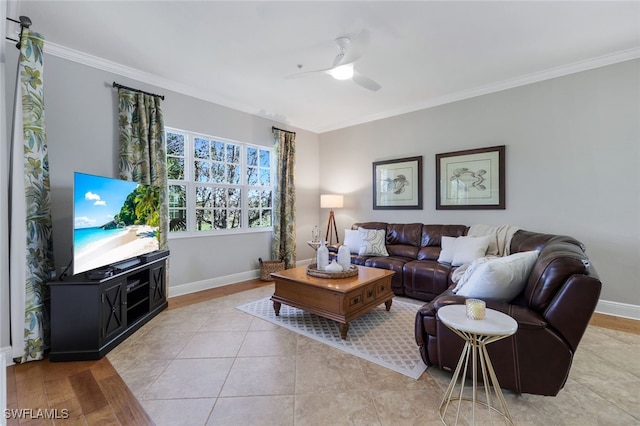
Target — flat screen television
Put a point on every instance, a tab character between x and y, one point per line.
114	221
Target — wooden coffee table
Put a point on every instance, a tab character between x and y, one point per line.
339	299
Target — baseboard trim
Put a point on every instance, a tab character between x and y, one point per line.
605	307
188	288
618	309
6	353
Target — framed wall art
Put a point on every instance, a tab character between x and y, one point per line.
471	179
397	184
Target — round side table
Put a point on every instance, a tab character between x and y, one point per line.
476	334
314	244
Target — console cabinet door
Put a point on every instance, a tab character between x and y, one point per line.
113	308
157	283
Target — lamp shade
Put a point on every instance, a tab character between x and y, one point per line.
329	201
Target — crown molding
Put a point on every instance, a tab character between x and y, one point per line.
89	60
155	80
600	61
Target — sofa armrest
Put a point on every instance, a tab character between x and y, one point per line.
572	307
426	323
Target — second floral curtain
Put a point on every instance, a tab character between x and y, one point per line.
283	244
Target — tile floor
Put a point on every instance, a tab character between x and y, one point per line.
210	364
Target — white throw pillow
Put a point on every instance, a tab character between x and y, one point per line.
373	242
461	275
448	247
352	240
458	251
500	279
469	249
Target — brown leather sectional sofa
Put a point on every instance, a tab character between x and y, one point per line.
552	311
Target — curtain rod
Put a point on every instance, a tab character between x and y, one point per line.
136	90
282	130
24	22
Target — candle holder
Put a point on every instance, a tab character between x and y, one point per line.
476	308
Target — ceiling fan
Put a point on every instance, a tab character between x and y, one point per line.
343	68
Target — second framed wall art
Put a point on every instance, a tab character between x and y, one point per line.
471	179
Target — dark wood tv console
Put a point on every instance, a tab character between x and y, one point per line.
91	317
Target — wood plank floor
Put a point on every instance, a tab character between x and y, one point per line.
93	393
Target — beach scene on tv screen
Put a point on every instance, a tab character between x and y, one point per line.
114	220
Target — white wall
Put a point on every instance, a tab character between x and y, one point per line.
82	134
572	164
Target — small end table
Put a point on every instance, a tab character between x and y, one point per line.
476	334
314	244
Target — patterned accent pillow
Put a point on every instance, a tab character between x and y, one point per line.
373	242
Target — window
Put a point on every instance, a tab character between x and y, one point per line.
217	185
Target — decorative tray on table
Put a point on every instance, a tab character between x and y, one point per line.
318	273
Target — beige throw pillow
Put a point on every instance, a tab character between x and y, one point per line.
373	242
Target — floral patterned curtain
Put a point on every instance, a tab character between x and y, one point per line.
143	156
283	244
31	242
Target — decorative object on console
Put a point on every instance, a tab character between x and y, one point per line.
330	201
334	267
314	271
476	308
397	184
471	179
322	256
315	234
373	242
344	257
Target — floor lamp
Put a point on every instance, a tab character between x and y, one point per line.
328	201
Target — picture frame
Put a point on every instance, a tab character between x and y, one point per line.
397	184
471	179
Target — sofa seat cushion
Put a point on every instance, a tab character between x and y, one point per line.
426	279
356	259
403	250
392	263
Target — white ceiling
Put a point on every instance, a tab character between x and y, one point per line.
422	53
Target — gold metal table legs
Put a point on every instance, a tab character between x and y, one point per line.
475	347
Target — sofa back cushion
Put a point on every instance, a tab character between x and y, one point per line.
370	225
431	239
404	239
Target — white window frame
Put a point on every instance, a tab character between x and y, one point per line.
191	184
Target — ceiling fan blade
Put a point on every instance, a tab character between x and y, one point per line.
365	82
357	46
306	73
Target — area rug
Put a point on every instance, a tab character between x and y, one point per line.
384	338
